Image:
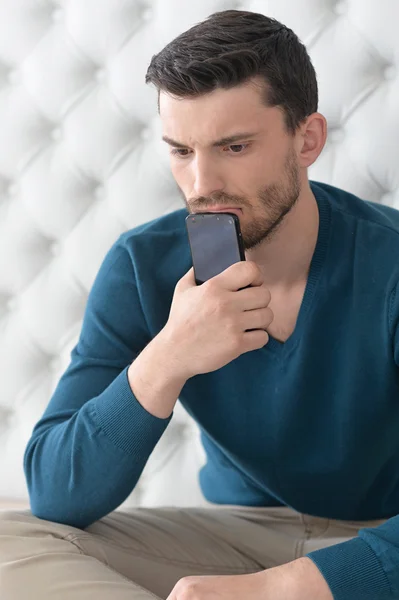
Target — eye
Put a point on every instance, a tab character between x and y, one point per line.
176	152
184	152
238	146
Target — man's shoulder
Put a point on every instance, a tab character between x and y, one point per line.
366	236
159	246
374	216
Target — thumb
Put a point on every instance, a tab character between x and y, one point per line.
188	280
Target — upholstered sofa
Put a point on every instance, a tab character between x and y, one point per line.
81	161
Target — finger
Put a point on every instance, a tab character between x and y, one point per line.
252	298
188	280
257	319
255	339
240	275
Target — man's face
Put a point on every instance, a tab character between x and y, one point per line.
257	173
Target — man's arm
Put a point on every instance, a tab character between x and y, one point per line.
365	567
89	448
368	565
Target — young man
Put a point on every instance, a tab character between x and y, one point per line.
299	417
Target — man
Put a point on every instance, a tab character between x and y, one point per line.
299	416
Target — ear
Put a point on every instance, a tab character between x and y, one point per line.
311	138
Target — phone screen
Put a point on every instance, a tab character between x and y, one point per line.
215	241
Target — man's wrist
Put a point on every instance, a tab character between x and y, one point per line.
299	579
168	348
155	380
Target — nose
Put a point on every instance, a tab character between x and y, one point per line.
207	178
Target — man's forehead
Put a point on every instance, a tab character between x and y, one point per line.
243	97
214	131
210	118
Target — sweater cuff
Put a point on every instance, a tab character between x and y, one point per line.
125	421
352	571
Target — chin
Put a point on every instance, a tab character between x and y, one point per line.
253	241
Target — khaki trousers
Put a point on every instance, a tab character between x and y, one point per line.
141	553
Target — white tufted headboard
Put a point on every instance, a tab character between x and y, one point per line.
81	161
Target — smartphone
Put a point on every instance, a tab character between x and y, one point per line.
215	243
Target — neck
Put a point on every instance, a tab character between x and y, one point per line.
285	259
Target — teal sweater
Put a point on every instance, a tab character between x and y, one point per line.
312	423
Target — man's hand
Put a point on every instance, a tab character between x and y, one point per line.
297	580
221	587
210	325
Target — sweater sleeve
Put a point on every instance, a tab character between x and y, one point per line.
88	450
367	566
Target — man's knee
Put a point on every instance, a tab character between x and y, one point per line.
16	519
12	521
36	556
20	529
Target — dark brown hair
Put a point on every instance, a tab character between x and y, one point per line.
232	47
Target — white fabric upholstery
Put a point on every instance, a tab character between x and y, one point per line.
81	161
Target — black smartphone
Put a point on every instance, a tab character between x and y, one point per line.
215	243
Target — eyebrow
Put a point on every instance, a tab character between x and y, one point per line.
222	142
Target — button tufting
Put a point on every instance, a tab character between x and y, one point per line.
14	77
146	14
99	191
56	133
390	72
12	189
55	248
341	8
336	135
386	198
54	363
145	133
12	303
6	415
100	75
57	13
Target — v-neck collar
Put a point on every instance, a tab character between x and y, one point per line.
282	348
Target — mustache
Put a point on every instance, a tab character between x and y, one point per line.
222	200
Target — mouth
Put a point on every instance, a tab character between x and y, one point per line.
224	209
